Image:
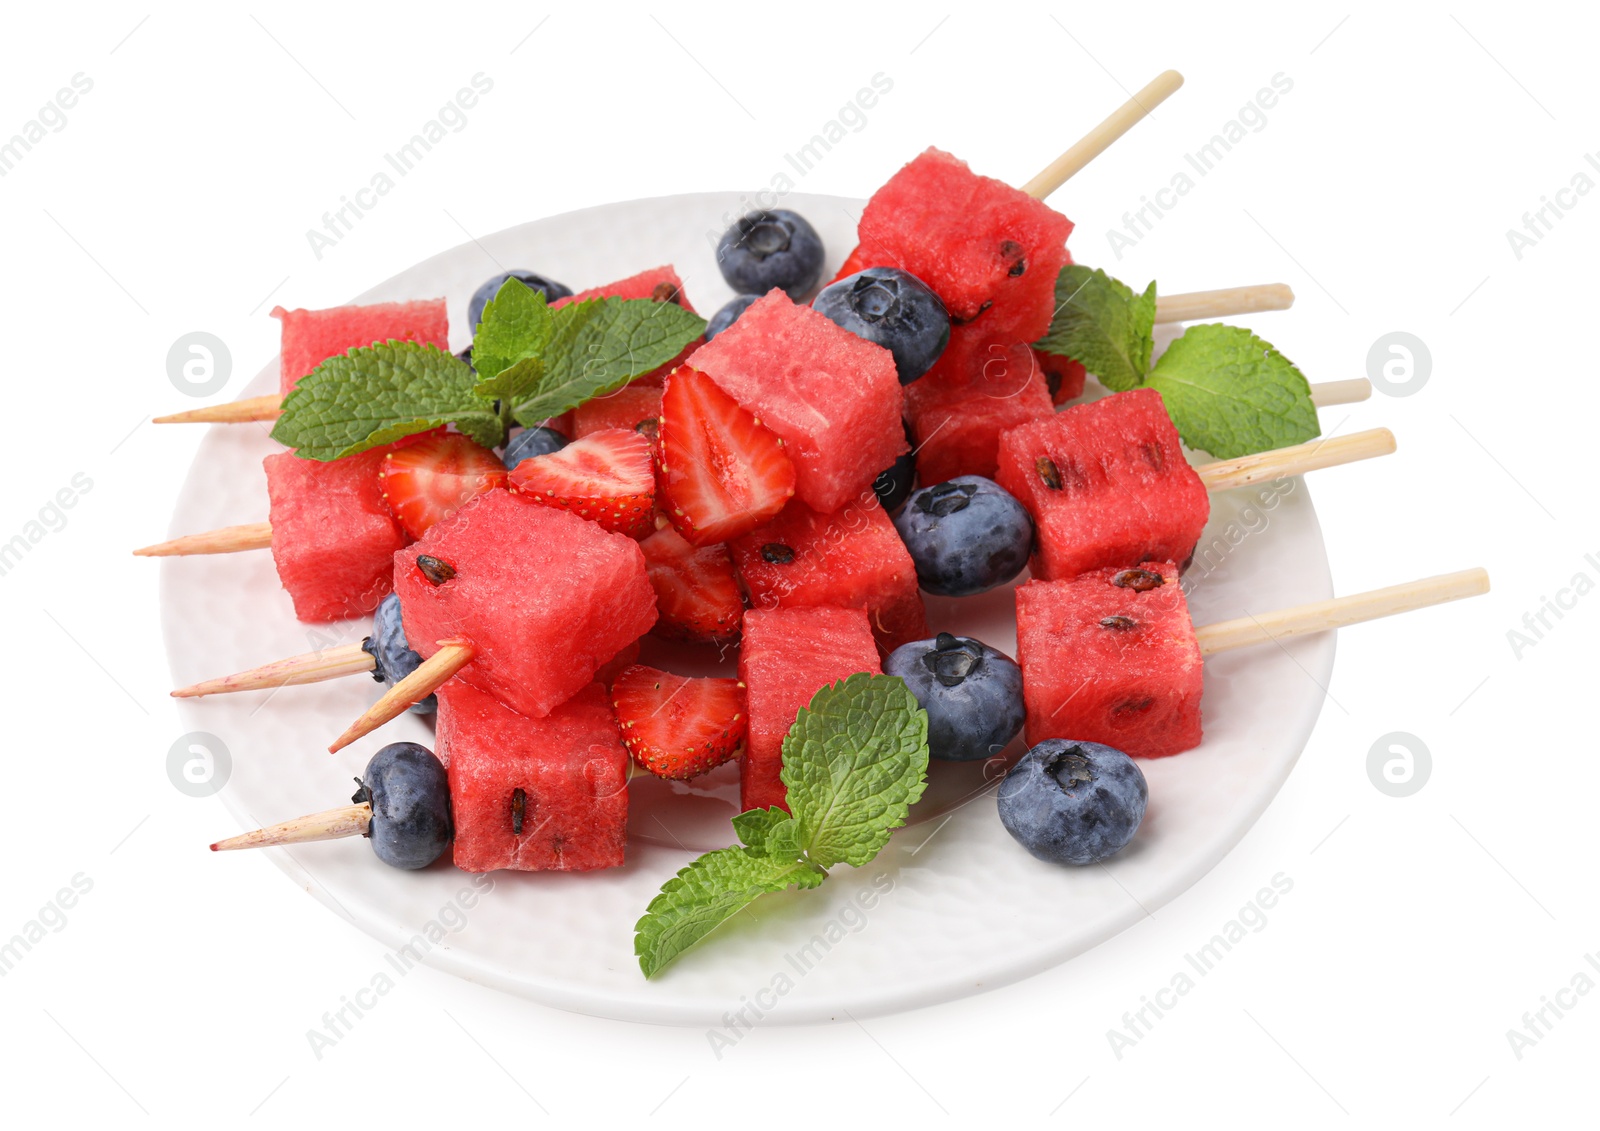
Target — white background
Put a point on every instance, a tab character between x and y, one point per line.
1419	930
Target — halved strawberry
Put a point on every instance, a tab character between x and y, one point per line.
430	479
677	727
722	472
604	476
697	592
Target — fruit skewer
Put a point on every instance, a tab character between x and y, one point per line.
1112	657
415	832
453	655
1221	475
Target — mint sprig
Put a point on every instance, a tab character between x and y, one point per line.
854	762
376	394
1229	392
1234	392
1100	322
599	345
532	363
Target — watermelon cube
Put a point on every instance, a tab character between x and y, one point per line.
989	251
659	283
958	418
833	398
333	535
1111	657
310	337
1062	375
544	597
1107	484
636	407
787	656
852	558
535	795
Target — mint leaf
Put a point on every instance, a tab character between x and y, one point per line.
854	762
1100	322
375	394
1232	394
599	345
508	347
708	893
755	826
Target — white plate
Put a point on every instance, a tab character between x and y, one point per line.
951	906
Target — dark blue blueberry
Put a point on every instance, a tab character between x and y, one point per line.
894	484
392	658
894	309
532	442
410	798
466	356
965	536
767	249
729	314
551	290
1073	802
972	693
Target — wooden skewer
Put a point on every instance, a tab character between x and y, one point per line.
1320	616
267	407
430	675
227	540
1196	305
309	667
1097	140
1328	451
1326	393
331	824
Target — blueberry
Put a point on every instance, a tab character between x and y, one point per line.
894	483
965	536
767	249
972	693
532	442
894	309
729	314
410	798
393	659
466	356
1073	802
551	290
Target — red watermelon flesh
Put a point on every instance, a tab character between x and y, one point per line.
1063	376
958	428
1107	484
635	407
659	283
544	597
333	535
989	251
853	558
310	337
1111	657
570	765
833	398
787	656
